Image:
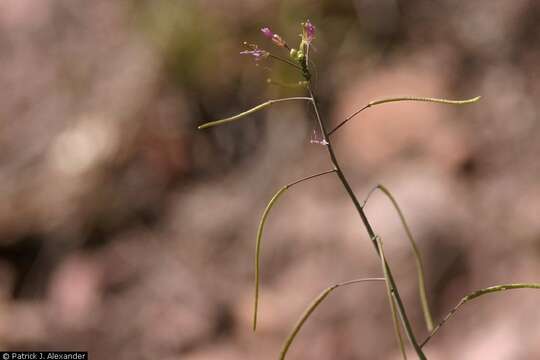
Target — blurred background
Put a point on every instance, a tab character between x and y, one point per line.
126	232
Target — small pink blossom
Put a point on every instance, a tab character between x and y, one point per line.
276	39
308	32
267	32
318	138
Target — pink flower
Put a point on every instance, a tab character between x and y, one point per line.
308	32
278	40
267	32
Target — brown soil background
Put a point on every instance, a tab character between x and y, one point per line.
126	232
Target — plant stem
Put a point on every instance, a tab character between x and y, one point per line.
279	58
369	228
416	252
393	310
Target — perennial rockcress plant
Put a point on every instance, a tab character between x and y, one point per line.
298	58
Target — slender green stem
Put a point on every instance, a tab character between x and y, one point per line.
474	295
416	251
393	310
279	58
369	229
297	84
260	232
250	111
309	310
405	98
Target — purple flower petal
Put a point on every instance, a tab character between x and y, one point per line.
267	32
257	54
308	33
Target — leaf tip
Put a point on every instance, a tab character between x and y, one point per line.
254	324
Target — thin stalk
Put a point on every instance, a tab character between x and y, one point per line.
405	98
279	58
393	311
309	310
250	111
298	84
260	232
474	295
416	252
369	229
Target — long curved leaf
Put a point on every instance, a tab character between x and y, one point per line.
248	112
476	294
406	98
260	232
309	310
258	251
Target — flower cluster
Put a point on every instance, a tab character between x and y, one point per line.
298	55
298	58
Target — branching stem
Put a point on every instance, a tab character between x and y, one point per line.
369	229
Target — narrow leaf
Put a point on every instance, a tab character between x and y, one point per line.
260	231
425	99
474	295
248	112
405	98
309	310
258	251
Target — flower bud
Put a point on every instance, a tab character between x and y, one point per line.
279	41
293	54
